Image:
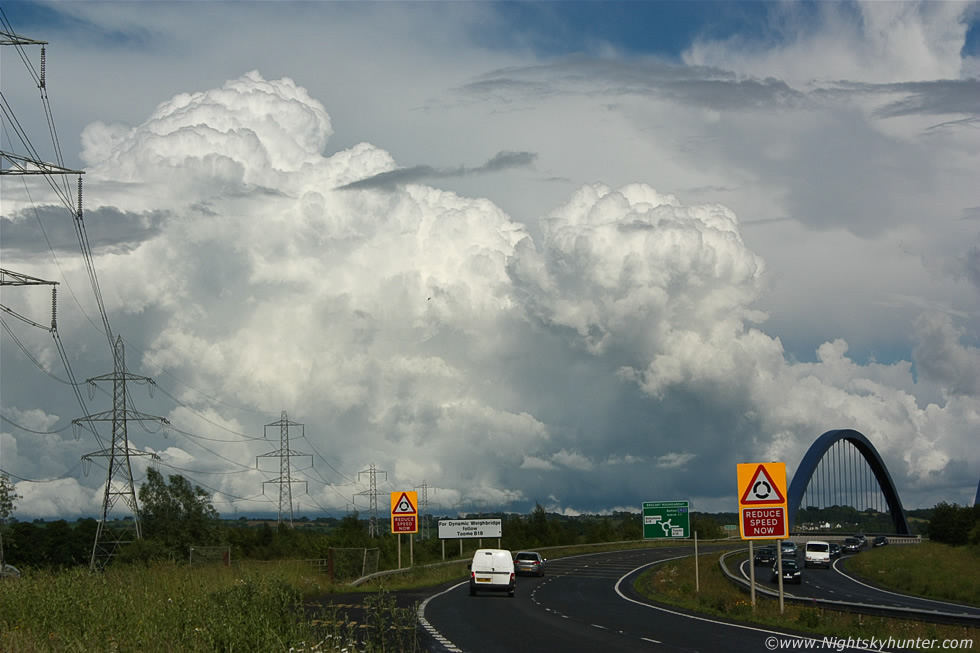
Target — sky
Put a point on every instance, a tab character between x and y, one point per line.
576	254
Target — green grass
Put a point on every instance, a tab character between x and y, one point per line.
930	569
252	606
168	608
673	583
171	608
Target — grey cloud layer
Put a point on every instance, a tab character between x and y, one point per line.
423	330
418	174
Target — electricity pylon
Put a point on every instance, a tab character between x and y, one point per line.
372	494
424	507
16	164
285	481
119	479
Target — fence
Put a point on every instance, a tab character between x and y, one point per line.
347	564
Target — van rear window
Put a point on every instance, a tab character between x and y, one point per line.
818	547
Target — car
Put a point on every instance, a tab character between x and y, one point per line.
765	555
834	550
789	548
851	545
492	570
863	538
816	553
791	572
879	540
529	562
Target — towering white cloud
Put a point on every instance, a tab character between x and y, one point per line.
626	346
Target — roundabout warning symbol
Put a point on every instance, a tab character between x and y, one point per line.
762	489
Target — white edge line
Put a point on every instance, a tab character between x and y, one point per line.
712	621
420	615
907	596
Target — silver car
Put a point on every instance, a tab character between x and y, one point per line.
530	563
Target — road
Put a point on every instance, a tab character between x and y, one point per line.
584	603
835	584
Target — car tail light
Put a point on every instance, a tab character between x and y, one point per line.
512	577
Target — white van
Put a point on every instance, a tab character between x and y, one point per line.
817	554
492	570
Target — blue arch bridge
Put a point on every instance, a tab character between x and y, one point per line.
843	469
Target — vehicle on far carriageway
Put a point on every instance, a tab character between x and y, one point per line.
816	554
765	555
851	545
791	572
789	548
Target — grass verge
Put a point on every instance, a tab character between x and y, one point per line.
168	608
931	570
673	583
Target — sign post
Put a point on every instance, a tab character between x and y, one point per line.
666	519
762	511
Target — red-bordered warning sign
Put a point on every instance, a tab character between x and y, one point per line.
764	490
404	503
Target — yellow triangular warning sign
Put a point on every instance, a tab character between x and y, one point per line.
762	490
404	506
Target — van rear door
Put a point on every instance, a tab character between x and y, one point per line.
492	569
817	554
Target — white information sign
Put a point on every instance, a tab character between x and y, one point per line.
452	529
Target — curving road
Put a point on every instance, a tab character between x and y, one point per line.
585	603
835	584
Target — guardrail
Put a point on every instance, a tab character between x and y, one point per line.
834	537
540	549
934	616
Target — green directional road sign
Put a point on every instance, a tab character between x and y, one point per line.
666	519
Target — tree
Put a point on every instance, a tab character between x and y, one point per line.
541	530
351	532
7	498
706	527
176	514
952	524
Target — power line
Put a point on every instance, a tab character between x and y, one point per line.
41	480
32	164
24	428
